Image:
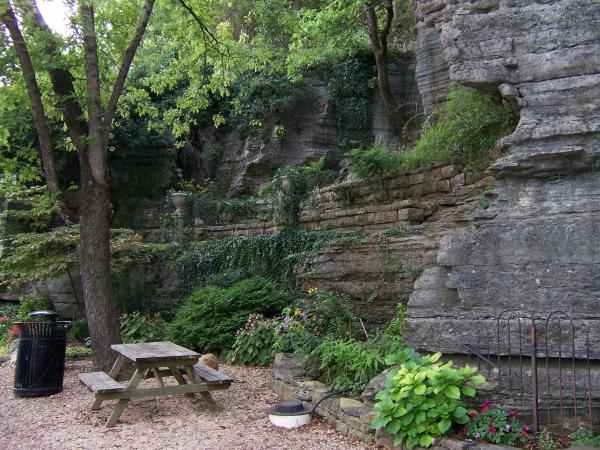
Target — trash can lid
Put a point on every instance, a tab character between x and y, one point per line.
46	314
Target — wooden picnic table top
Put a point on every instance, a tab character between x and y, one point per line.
156	352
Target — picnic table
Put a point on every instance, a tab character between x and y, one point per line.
154	360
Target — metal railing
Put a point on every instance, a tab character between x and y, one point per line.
525	350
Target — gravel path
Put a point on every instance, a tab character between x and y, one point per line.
63	421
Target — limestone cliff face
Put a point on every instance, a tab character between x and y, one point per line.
311	132
537	247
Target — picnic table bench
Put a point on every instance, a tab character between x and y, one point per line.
154	360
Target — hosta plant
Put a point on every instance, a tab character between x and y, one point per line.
423	398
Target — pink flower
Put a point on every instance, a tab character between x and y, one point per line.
510	412
472	414
508	427
491	428
526	429
486	405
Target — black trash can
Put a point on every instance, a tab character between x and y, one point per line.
41	355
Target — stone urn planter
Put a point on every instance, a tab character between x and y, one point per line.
179	199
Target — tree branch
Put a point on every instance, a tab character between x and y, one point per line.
39	116
62	80
389	18
124	69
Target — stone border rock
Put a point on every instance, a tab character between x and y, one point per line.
353	418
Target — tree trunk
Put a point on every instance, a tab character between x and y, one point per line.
94	259
94	252
379	47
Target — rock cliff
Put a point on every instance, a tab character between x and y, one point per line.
536	248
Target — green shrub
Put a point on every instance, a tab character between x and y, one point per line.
466	127
584	436
349	364
423	398
10	310
137	327
33	302
211	315
6	323
373	162
79	330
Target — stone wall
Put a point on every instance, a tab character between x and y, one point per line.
536	247
403	218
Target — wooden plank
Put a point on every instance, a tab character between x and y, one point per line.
100	382
211	376
155	352
116	368
156	391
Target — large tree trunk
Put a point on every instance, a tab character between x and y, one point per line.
94	259
94	252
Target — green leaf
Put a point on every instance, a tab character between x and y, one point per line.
381	422
444	425
452	392
477	379
426	440
468	391
412	441
420	389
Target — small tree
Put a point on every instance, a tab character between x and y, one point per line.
88	130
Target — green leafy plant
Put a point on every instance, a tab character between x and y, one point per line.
465	129
584	436
79	330
77	351
395	326
331	315
373	162
211	315
545	441
33	302
351	364
255	344
137	327
494	424
423	398
10	310
6	324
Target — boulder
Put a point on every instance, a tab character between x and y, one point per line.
210	360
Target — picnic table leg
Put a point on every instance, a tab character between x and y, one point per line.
212	405
114	371
121	404
177	374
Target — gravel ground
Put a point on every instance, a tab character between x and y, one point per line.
64	421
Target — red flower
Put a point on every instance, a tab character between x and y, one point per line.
486	405
526	430
491	428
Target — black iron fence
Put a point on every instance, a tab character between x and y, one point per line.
544	361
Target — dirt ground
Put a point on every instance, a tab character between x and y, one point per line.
64	421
